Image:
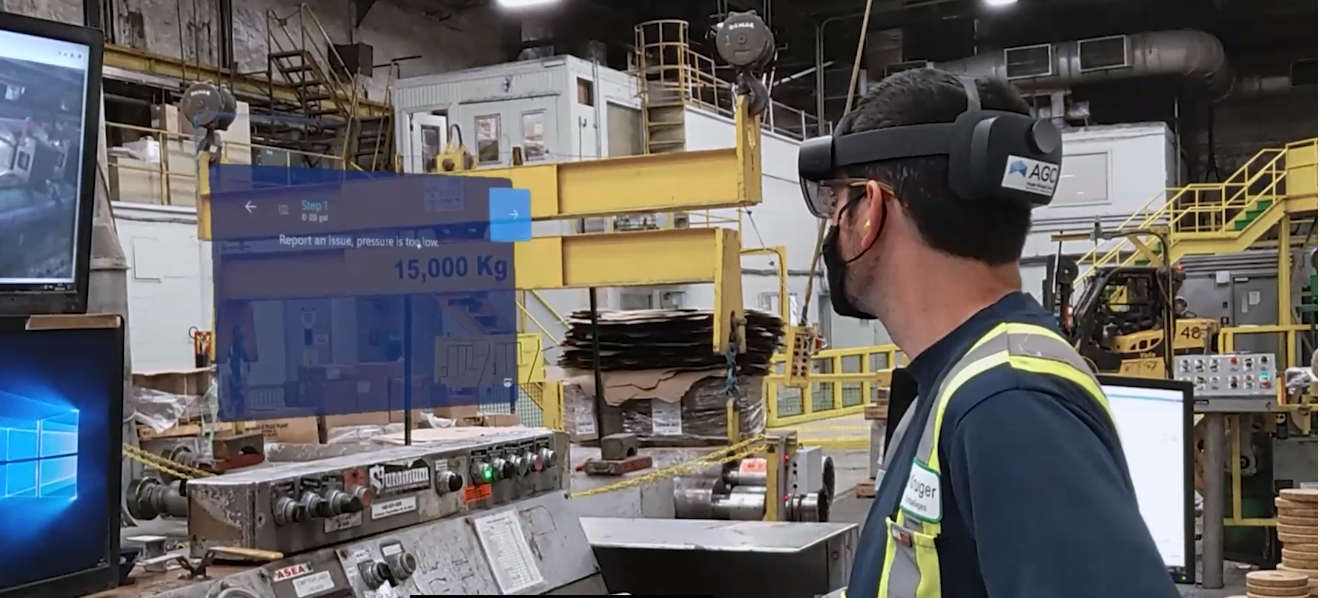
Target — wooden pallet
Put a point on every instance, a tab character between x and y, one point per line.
865	489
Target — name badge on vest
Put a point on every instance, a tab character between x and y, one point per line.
921	498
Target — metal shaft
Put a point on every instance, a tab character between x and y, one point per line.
1212	515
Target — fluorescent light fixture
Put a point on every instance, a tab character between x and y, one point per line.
524	3
1000	2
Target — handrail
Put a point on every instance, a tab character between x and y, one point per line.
544	331
1185	208
315	56
1152	215
546	304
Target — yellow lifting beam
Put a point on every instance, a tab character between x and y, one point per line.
642	258
670	182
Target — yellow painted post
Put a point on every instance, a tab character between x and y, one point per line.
836	367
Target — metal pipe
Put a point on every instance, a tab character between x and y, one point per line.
738	478
596	101
1194	55
739	506
820	89
1212	513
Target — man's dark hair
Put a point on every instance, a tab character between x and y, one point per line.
986	231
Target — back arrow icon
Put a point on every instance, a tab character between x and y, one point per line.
250	207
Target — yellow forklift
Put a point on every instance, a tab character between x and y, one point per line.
1118	322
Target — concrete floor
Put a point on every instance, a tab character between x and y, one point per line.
851	467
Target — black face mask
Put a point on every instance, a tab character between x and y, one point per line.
836	268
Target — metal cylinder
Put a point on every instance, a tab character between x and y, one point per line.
737	477
149	498
739	506
693	497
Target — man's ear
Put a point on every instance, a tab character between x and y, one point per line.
871	212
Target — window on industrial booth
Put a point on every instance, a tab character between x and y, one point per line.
1085	179
672	299
586	92
488	139
533	135
629	300
769	302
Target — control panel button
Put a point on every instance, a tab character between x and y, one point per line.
448	481
548	458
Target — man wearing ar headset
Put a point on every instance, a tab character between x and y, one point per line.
1004	476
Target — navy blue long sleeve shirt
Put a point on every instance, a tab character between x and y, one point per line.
1038	502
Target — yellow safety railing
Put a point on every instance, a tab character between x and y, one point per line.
171	178
671	71
1211	211
1290	335
843	382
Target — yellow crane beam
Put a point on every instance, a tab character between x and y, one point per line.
671	182
643	258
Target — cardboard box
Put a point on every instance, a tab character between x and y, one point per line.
376	418
457	412
419	415
182	382
298	430
500	420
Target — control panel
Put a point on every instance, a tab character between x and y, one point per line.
296	507
1232	375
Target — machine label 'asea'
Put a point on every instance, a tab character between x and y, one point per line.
394	478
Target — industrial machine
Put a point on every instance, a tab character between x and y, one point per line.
1250	442
295	507
803	481
531	546
1118	320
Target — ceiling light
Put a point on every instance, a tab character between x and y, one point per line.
998	3
524	3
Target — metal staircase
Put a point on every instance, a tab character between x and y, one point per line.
670	76
323	119
1219	218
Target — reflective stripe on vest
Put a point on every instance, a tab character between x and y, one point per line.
912	567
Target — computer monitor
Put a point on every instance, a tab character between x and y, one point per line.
50	103
61	406
1154	419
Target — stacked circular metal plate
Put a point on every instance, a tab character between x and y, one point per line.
1297	511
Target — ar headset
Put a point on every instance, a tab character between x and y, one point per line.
993	155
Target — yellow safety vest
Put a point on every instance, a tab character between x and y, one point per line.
911	567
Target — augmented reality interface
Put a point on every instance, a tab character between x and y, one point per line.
42	93
55	458
342	293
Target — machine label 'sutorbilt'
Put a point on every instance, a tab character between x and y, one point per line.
395	478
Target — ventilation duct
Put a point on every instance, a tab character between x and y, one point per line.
1194	55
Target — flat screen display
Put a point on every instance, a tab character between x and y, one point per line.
43	107
1154	420
60	393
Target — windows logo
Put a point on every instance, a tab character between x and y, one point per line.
39	455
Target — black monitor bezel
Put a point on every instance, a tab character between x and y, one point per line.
1185	574
31	299
105	576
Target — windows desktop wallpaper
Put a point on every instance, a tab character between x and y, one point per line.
59	395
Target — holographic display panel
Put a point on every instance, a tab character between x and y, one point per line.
341	292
